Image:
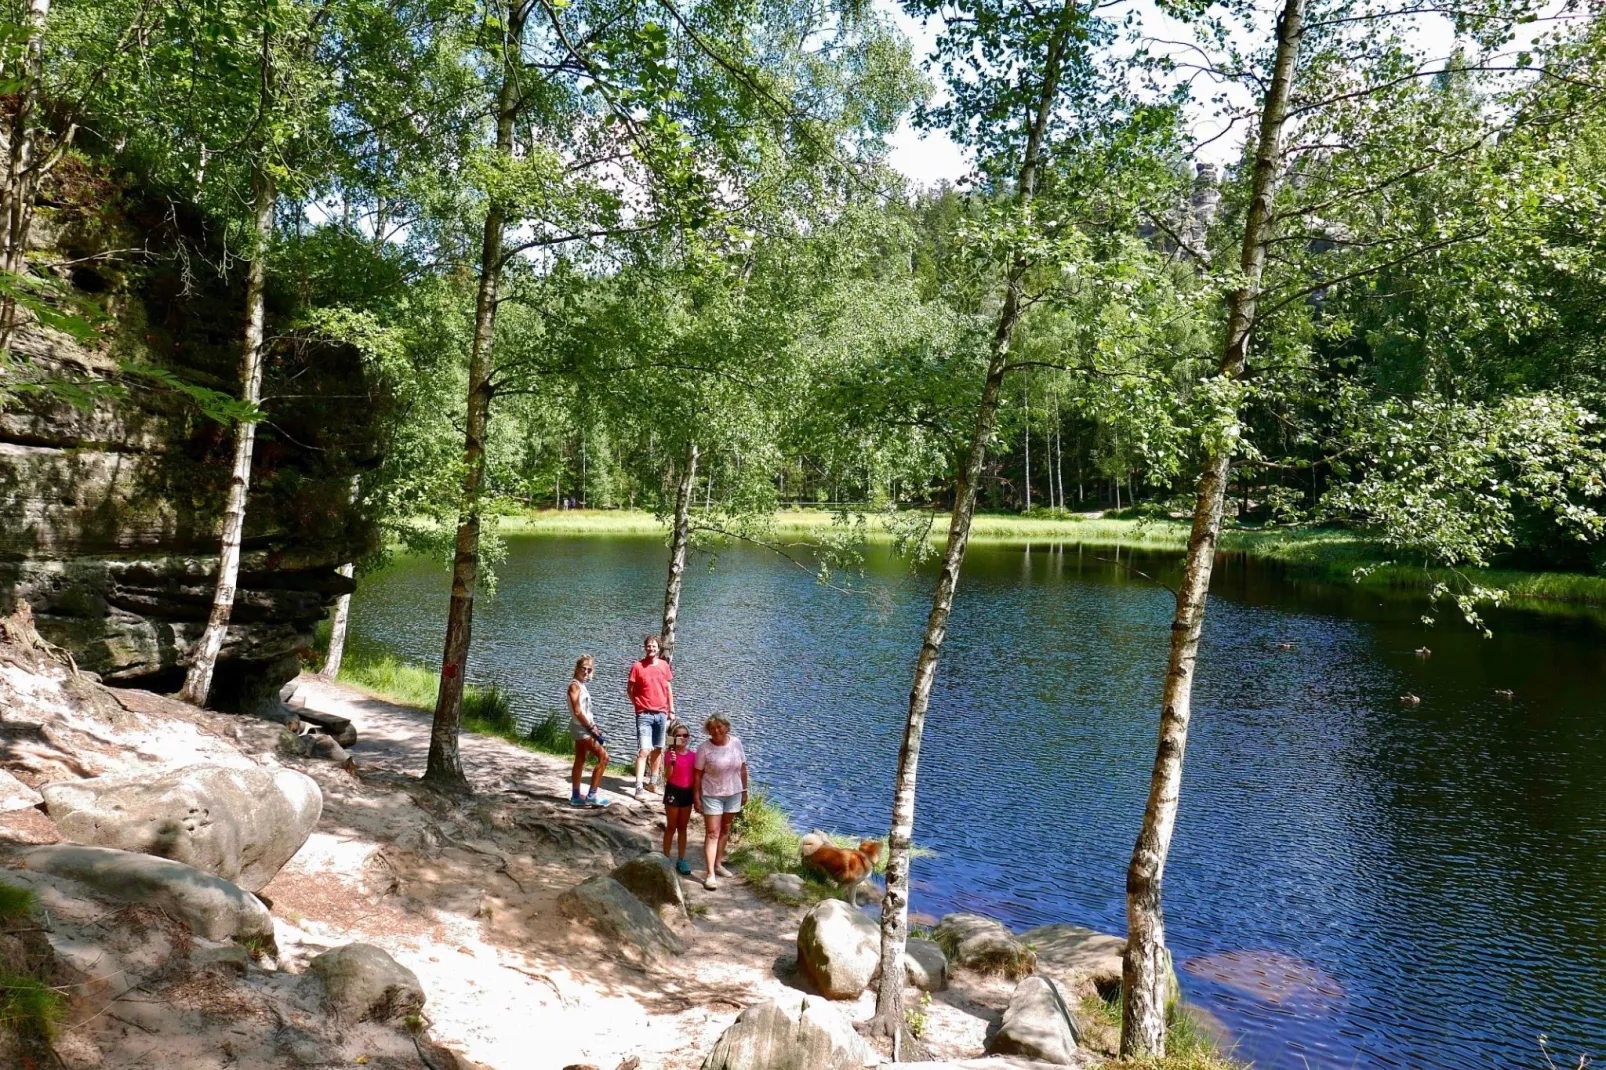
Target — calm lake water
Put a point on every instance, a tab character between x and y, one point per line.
1424	886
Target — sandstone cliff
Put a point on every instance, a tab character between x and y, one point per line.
109	508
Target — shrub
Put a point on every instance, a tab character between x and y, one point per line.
551	733
489	706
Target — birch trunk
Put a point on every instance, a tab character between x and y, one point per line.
1146	963
198	681
445	765
20	164
889	1020
1027	394
337	628
678	537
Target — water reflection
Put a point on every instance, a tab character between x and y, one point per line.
1435	872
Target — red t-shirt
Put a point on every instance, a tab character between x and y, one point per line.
649	685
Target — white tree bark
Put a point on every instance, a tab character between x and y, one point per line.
679	535
1146	963
889	1016
337	628
198	681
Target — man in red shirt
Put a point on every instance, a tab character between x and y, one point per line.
654	700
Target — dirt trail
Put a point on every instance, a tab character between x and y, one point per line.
465	894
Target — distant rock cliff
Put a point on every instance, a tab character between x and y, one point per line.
109	510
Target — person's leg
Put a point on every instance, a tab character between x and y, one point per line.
579	768
643	746
601	754
685	819
658	727
671	815
725	822
711	826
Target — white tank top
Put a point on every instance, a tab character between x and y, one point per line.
585	700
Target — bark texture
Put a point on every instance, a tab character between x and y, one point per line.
1144	967
198	680
889	1017
445	765
337	628
23	169
678	537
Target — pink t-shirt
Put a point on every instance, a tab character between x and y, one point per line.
679	768
722	767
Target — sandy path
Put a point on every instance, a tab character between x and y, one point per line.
464	895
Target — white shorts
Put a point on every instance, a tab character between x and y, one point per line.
714	805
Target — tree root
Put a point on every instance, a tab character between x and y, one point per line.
906	1048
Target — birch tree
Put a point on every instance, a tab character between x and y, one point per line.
1344	115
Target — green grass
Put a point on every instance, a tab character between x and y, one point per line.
486	710
769	844
1324	554
30	1010
1189	1044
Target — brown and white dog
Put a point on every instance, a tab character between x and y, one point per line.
849	868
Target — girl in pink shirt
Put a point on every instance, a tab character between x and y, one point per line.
680	771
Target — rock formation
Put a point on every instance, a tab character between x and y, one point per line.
109	513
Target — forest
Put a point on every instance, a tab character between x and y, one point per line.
1311	264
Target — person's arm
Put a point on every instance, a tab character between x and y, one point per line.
744	771
574	706
670	691
697	790
632	685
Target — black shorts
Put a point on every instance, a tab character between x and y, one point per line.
674	796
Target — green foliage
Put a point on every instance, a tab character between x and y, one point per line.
16	903
488	706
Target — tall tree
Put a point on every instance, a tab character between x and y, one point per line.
1314	212
1024	84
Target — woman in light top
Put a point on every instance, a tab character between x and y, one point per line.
588	740
719	791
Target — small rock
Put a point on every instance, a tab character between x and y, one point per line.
239	824
1037	1025
211	906
326	748
801	1033
15	795
637	930
652	879
983	944
838	949
786	887
925	965
365	984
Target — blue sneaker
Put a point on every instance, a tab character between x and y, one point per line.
593	801
576	800
683	867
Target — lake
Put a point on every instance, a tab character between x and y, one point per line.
1424	886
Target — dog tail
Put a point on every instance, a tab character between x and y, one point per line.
812	843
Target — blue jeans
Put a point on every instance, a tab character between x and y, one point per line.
650	729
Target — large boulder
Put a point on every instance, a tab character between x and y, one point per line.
799	1033
211	906
365	984
925	966
983	944
652	879
1071	953
838	949
1037	1025
1074	955
239	824
635	928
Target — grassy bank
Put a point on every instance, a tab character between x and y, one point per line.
1321	554
486	710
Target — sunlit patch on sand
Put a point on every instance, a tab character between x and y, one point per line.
1271	976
